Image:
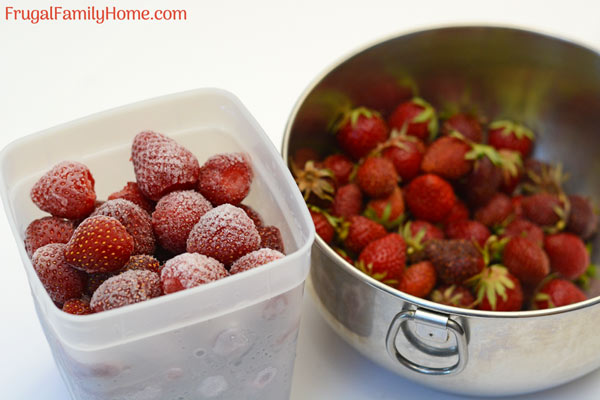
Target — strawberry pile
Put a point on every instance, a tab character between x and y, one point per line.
449	209
178	226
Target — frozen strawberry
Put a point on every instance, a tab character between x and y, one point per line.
482	183
270	238
454	260
316	184
137	222
129	287
388	211
303	155
322	226
453	295
132	192
406	153
497	290
348	201
226	178
377	177
466	125
47	230
526	260
583	220
429	197
94	280
99	244
496	212
61	281
418	279
77	307
567	253
523	228
556	293
359	231
66	191
189	270
446	157
469	230
142	261
254	259
175	216
359	132
341	166
415	117
458	212
225	233
384	259
162	165
545	209
512	136
253	214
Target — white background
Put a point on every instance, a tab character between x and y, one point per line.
264	52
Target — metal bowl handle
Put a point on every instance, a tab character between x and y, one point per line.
436	323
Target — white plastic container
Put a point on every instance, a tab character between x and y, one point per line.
231	339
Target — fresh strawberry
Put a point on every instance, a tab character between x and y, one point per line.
517	205
253	214
341	166
416	235
546	210
523	228
47	230
418	279
455	260
415	117
512	170
270	238
359	231
406	152
316	184
303	155
526	260
556	293
66	191
384	259
453	295
469	230
465	124
77	307
482	183
348	201
132	192
61	280
429	230
567	253
322	225
226	178
446	157
162	165
99	244
497	290
360	131
458	212
512	136
541	177
344	255
429	197
377	177
388	211
583	221
496	212
126	288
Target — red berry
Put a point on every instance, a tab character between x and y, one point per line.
446	157
453	295
495	212
465	124
458	212
583	220
162	165
430	231
99	244
523	228
557	293
66	191
226	178
469	230
498	290
94	280
77	307
361	232
377	177
418	279
254	259
253	214
429	197
47	230
61	281
324	229
482	183
455	260
360	131
348	201
387	211
132	192
137	222
384	259
303	155
415	117
511	136
417	234
142	261
526	260
129	287
341	166
406	153
224	233
567	253
543	209
175	216
189	270
270	237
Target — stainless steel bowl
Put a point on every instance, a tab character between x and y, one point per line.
552	86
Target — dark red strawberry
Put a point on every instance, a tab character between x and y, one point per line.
388	211
322	225
61	280
348	201
94	280
512	136
541	177
360	131
66	191
142	261
496	212
360	231
415	117
524	228
270	238
226	178
465	124
132	192
377	177
384	259
416	234
517	204
482	183
455	260
583	220
446	157
567	253
341	166
77	307
47	230
316	184
546	210
162	165
418	279
469	230
497	290
556	293
453	295
526	260
429	197
406	152
458	212
253	214
512	170
303	155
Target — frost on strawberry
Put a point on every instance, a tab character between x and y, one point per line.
129	287
47	230
189	270
61	280
255	259
226	178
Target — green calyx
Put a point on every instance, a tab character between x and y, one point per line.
510	127
333	221
511	162
479	151
414	244
352	116
427	115
384	219
380	276
492	283
313	180
550	179
448	296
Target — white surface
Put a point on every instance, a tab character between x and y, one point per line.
264	52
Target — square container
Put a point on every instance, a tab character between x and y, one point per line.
230	339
